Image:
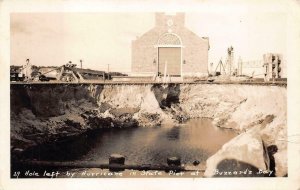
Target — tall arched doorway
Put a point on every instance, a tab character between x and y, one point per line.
169	55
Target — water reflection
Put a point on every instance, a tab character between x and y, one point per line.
196	140
173	133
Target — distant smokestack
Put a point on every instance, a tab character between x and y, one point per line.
81	63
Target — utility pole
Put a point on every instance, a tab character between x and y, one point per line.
230	58
240	67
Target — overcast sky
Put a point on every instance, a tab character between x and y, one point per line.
105	38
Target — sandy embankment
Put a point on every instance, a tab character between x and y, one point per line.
43	113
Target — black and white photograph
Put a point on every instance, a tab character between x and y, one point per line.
162	93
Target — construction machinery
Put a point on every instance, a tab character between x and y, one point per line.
66	73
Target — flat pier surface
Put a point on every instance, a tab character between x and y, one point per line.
276	83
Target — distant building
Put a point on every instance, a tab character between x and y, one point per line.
170	48
272	66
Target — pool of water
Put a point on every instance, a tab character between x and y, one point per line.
197	139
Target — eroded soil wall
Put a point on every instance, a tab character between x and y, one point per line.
45	112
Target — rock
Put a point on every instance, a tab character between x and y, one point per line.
196	162
17	150
16	153
148	119
281	163
245	152
97	122
122	111
104	106
84	116
72	123
275	134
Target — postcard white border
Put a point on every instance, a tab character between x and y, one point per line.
291	8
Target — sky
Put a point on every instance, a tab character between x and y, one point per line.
104	38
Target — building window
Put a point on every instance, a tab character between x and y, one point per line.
169	39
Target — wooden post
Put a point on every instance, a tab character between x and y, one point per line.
116	159
173	161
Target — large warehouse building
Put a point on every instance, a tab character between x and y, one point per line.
170	48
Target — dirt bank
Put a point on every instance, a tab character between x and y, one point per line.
42	113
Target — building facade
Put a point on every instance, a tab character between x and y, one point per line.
272	66
170	48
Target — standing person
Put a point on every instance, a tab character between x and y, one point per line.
27	70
